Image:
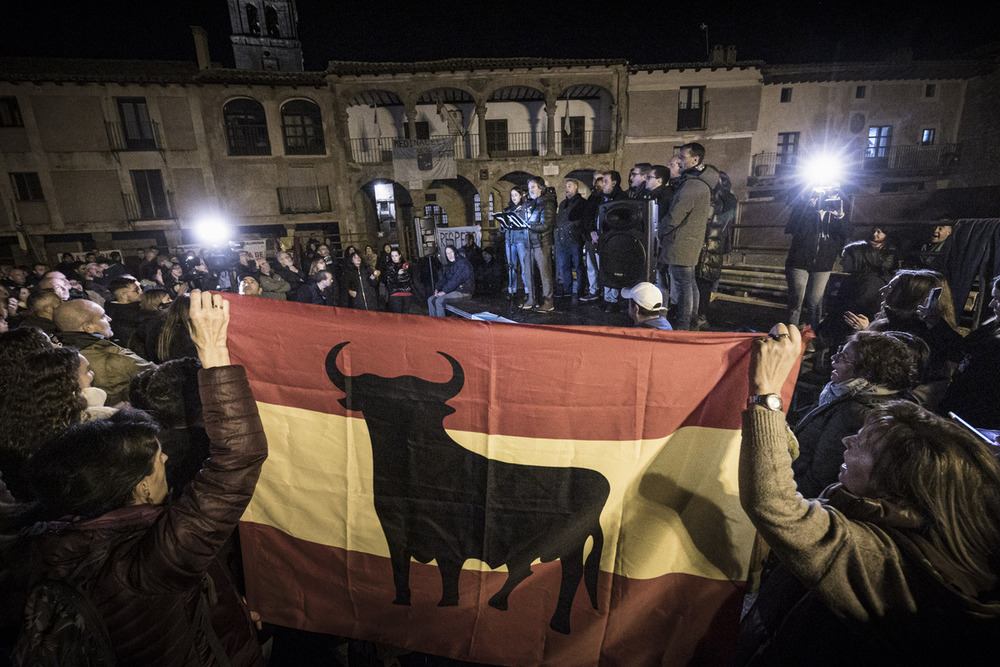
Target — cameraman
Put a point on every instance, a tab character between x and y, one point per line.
818	226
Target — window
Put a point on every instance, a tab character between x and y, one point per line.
437	214
253	20
930	90
860	91
271	21
574	136
927	137
137	129
10	113
26	186
423	130
786	95
150	199
302	126
496	136
477	207
788	148
879	140
246	128
690	104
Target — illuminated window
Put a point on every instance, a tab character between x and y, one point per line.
477	207
786	95
927	137
879	141
788	147
437	214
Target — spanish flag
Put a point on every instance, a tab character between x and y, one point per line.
497	493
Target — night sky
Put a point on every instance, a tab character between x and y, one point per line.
374	30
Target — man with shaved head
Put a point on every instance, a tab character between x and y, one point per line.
84	325
41	307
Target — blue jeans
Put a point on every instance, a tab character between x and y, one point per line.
684	285
517	261
435	304
568	261
807	287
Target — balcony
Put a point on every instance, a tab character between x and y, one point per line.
510	145
308	199
133	137
248	139
916	160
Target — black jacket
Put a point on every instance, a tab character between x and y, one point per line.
569	217
541	216
817	238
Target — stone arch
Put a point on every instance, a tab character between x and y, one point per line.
585	119
374	118
523	122
460	205
447	111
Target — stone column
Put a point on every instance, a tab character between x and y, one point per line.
411	121
550	128
481	115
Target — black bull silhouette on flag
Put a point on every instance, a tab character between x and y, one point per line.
437	500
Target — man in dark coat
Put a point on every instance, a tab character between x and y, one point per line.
569	239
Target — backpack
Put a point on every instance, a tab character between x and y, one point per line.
62	627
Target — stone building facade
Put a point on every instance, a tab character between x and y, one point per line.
102	154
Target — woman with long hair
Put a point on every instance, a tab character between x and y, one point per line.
895	564
399	283
44	398
150	567
175	339
516	244
360	285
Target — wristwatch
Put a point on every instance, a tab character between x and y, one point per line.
770	401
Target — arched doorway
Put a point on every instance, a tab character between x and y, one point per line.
388	211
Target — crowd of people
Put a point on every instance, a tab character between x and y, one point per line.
882	515
555	249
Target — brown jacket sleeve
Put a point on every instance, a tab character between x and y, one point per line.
189	534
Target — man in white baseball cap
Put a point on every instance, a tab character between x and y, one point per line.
645	306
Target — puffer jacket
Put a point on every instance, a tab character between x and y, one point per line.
540	214
161	557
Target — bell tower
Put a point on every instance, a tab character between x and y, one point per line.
265	35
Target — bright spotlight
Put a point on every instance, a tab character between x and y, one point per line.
823	172
213	231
